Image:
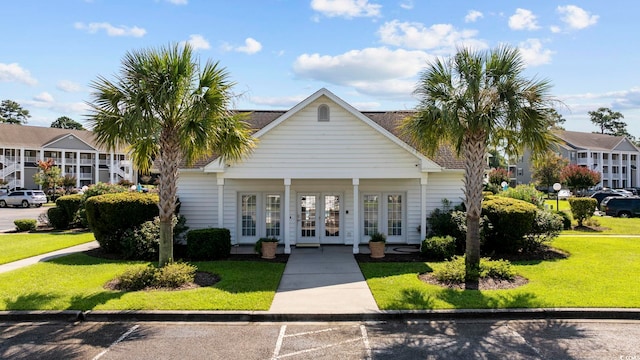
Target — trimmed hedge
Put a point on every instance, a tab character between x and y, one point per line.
438	248
70	205
511	220
582	208
110	215
58	218
208	244
25	224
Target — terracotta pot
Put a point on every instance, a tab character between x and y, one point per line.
377	249
269	250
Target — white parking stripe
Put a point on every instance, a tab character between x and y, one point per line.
319	348
311	332
365	340
124	336
276	351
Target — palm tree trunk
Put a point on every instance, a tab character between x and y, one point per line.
475	149
168	166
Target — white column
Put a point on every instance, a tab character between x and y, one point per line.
356	216
423	206
96	175
220	183
287	216
63	160
22	167
78	169
111	165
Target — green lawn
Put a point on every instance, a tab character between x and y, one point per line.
601	272
23	245
75	282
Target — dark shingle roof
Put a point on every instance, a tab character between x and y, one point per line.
591	141
34	137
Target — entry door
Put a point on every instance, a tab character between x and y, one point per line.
331	224
308	218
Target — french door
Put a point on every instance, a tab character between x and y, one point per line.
319	218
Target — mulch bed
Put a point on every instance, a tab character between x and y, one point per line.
483	284
202	279
280	258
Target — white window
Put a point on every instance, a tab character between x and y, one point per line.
323	112
384	213
260	215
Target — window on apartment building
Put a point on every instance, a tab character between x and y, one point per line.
582	155
624	157
614	157
605	156
614	169
605	169
633	158
520	172
624	169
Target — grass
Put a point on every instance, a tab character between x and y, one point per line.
563	204
75	282
23	245
601	272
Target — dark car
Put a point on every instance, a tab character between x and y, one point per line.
621	206
599	195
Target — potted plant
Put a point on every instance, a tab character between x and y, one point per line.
266	247
377	244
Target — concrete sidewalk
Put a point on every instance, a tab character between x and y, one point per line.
323	280
48	256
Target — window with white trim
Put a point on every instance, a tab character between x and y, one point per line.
272	215
384	213
260	215
370	214
249	213
323	112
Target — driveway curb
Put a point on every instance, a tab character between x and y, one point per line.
264	316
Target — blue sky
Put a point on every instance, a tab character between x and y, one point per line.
368	52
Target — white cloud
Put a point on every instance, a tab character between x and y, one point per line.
198	42
111	30
281	102
555	29
442	37
251	46
346	8
369	71
523	19
44	97
472	16
533	53
576	18
178	2
407	4
15	73
68	86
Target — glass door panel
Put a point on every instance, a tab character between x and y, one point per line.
308	219
331	216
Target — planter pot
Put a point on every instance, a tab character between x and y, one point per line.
269	250
377	249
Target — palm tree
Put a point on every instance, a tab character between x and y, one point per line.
470	101
169	109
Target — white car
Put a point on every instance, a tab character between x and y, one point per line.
24	198
564	194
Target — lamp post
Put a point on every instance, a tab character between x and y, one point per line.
557	187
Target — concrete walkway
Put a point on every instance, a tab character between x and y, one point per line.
48	256
324	280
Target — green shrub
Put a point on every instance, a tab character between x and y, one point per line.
173	275
208	244
582	208
143	242
110	215
546	226
511	220
527	193
58	218
70	205
137	278
257	247
566	220
453	271
102	188
438	247
25	224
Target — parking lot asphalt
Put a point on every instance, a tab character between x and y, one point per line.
9	214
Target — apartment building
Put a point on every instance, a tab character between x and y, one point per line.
616	158
74	151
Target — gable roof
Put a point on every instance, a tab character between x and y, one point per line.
591	141
36	137
386	122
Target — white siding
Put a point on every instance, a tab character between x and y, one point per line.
344	147
198	195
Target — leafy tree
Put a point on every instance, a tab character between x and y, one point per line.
556	121
12	113
547	168
471	100
169	107
497	160
609	122
579	177
48	175
64	122
497	176
69	182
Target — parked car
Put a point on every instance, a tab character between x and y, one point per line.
599	195
624	192
564	194
621	206
24	198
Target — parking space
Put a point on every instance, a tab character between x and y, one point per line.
464	339
9	214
